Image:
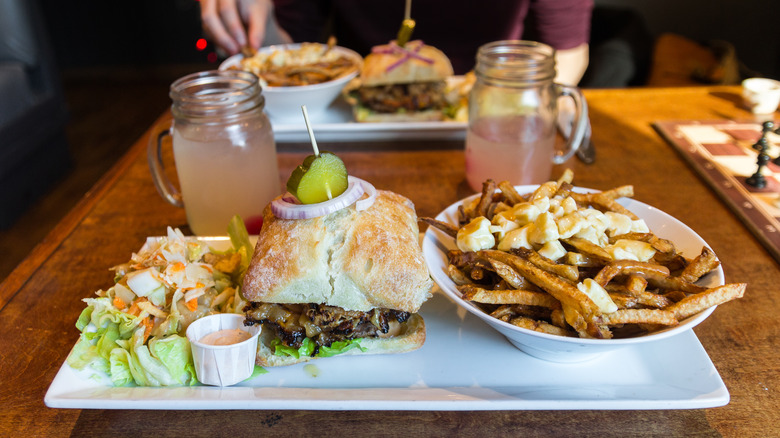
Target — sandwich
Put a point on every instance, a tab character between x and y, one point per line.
349	282
401	84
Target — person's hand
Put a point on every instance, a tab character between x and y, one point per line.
234	24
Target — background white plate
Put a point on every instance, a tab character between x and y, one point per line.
464	365
336	124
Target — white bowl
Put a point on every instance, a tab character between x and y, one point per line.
222	365
283	104
560	348
761	95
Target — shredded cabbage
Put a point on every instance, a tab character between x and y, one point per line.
142	345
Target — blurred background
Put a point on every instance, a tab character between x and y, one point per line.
82	80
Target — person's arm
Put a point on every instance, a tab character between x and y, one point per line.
564	25
570	64
233	24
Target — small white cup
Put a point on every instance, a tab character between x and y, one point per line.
762	96
222	365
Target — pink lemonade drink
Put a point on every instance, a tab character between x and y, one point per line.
220	179
518	149
224	151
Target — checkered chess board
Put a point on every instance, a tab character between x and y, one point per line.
723	155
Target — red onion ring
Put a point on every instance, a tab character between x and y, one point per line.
284	209
366	203
394	49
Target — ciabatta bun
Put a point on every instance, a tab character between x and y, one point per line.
412	337
356	260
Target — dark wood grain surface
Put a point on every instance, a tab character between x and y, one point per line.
40	300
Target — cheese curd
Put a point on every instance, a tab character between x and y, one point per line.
598	295
631	250
503	223
517	238
545	229
541	223
476	235
553	250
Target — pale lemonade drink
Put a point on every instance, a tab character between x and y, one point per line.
222	177
518	149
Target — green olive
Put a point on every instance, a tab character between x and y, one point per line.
319	178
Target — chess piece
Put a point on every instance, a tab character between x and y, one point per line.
758	180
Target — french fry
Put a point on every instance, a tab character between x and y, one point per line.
566	177
660	245
509	275
636	284
488	189
508	296
581	260
675	295
639	316
624	267
557	318
504	313
568	272
510	193
605	202
693	304
533	312
540	326
588	248
449	229
702	264
458	276
623	301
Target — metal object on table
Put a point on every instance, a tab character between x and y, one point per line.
587	150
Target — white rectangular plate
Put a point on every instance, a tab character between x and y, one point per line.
337	124
464	365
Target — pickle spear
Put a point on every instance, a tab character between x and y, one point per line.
319	178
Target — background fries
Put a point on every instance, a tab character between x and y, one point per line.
574	264
312	63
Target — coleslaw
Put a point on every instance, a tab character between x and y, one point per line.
134	330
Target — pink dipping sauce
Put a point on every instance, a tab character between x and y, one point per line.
225	337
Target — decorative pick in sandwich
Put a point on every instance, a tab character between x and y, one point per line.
321	186
407	26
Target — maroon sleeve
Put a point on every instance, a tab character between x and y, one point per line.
563	24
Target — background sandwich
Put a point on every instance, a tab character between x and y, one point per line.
401	84
349	282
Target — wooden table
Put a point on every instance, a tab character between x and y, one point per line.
40	300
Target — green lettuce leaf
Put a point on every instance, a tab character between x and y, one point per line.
119	367
84	318
307	348
340	347
84	354
174	352
164	362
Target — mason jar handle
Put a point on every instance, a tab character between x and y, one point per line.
580	122
165	187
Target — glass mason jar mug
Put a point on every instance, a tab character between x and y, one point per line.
513	114
224	151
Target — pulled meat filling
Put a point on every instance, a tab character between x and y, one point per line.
410	97
323	324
